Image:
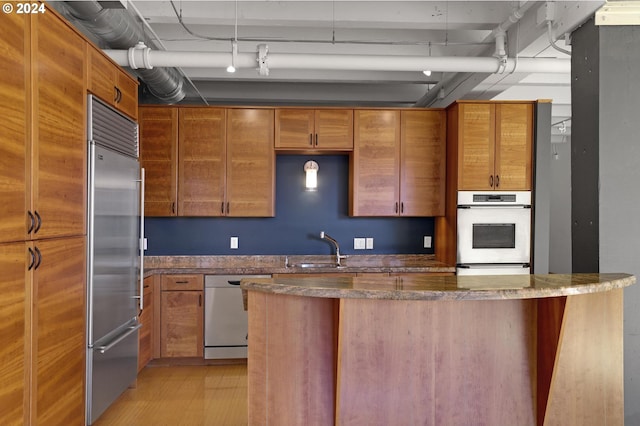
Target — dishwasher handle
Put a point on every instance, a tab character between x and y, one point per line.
234	282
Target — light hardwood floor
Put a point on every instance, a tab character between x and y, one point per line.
183	396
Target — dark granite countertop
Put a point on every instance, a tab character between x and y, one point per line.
485	287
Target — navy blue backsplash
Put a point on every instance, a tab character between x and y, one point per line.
300	216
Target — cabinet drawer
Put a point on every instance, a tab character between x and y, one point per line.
182	282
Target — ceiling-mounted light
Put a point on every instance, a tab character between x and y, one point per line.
427	73
234	54
311	172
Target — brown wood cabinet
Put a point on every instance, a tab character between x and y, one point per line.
145	345
398	163
494	145
250	163
59	340
204	161
202	167
182	316
43	190
158	127
112	84
313	129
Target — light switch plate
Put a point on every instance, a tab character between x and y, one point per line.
427	241
234	243
369	244
359	244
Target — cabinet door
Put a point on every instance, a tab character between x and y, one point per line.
59	342
202	165
514	135
102	76
127	94
294	128
13	137
145	347
250	163
476	146
159	156
13	314
375	163
334	129
181	324
423	160
59	123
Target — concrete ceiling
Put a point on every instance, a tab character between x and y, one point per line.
381	28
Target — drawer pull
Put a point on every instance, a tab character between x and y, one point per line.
182	282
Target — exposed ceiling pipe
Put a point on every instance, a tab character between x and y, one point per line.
498	34
118	29
141	57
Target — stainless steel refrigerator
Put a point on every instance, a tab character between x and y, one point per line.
114	272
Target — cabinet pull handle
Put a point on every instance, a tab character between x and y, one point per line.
199	300
39	258
173	207
32	221
39	224
497	181
33	259
182	282
402	207
311	139
316	139
228	209
222	207
396	207
118	95
491	181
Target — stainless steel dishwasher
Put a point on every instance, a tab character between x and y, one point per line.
225	320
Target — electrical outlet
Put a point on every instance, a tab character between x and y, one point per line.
144	244
369	244
427	241
359	244
234	243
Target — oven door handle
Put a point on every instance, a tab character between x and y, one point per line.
494	206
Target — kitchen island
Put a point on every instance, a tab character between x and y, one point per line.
471	350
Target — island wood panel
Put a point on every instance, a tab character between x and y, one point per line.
59	116
436	362
588	381
423	162
374	171
158	127
59	336
514	141
250	163
14	69
291	369
14	314
146	336
550	316
202	154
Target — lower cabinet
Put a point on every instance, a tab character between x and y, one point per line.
145	346
182	316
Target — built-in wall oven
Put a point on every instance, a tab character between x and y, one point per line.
494	232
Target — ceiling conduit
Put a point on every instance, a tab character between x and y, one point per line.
141	57
118	29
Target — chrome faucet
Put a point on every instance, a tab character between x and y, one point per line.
324	236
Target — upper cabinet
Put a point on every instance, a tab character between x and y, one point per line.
158	130
204	161
398	163
494	145
250	163
313	129
112	84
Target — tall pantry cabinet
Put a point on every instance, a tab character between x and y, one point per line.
42	232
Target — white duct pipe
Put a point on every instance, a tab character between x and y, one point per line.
143	57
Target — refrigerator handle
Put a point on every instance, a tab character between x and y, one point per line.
130	330
142	180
